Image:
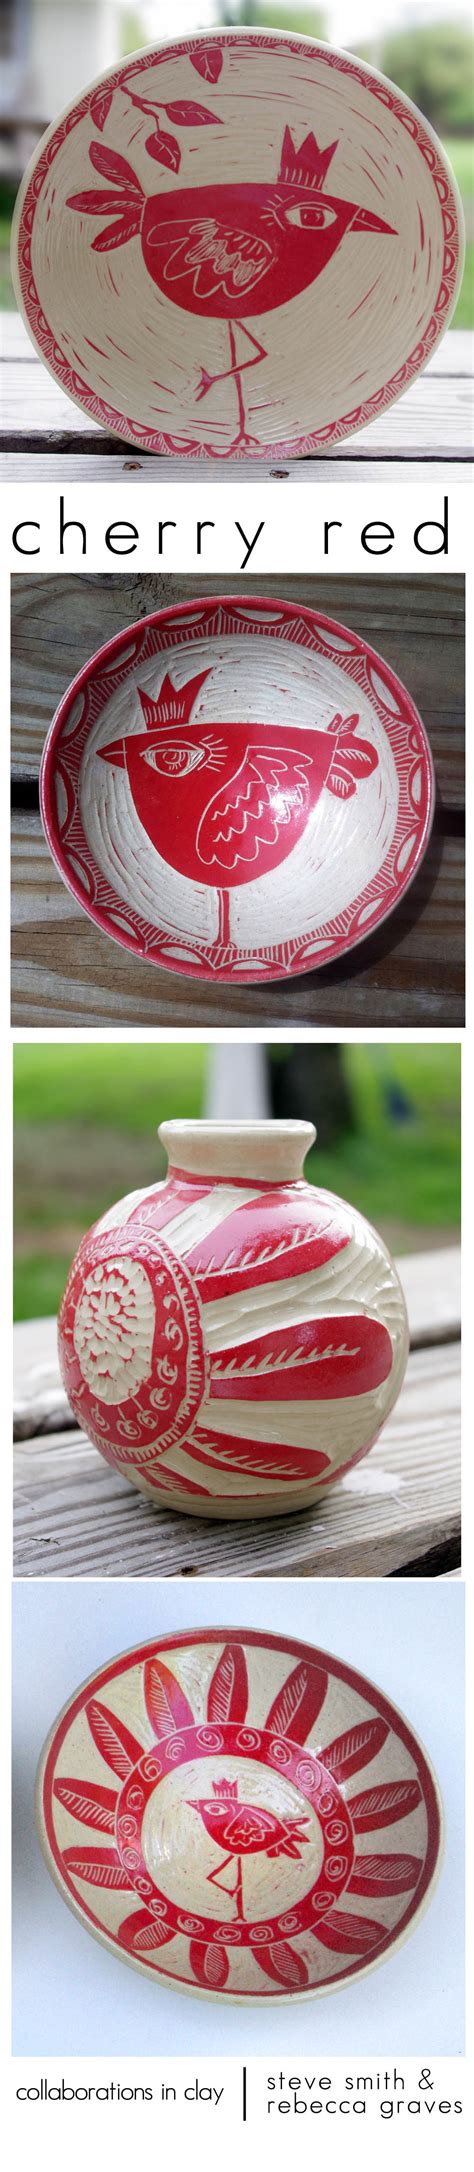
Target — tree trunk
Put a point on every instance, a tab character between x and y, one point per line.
312	1083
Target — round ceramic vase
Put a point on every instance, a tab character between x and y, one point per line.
239	1815
239	244
233	1340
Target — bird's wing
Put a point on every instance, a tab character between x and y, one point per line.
248	1825
259	800
218	258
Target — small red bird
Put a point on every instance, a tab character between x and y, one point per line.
223	803
243	1829
209	249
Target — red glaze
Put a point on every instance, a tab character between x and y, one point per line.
224	803
347	1355
211	250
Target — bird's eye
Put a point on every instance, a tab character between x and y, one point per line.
314	216
172	760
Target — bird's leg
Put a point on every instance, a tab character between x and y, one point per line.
214	1877
235	1892
223	906
239	1893
207	378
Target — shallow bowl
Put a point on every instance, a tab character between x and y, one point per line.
237	790
240	244
239	1815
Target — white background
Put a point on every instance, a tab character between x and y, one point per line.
70	1994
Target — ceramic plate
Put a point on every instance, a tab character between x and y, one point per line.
245	244
237	790
240	1815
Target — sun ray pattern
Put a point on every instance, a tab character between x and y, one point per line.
196	1798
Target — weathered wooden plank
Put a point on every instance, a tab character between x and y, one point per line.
50	467
417	623
76	1517
409	973
432	1285
434	416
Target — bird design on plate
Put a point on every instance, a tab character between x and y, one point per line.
225	803
242	1829
211	249
351	1838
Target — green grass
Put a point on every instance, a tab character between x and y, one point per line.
38	1285
134	1086
7	297
460	152
85	1130
463	319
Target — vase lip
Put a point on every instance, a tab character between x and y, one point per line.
267	1149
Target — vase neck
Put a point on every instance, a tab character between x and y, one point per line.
269	1153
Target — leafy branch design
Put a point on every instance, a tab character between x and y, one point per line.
162	145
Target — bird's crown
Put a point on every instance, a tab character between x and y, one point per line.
224	1787
173	704
306	168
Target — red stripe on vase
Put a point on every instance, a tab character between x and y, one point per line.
280	1232
255	1458
316	1361
171	1198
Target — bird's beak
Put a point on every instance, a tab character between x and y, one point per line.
367	222
114	752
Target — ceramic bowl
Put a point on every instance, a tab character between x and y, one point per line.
237	790
239	244
239	1815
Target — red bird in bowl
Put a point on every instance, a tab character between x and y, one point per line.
211	249
240	1828
223	803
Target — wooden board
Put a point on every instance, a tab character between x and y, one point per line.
431	423
49	467
76	1517
410	972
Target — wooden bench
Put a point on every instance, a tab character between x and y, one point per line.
397	1513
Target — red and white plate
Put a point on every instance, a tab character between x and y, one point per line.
237	790
239	1815
244	244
